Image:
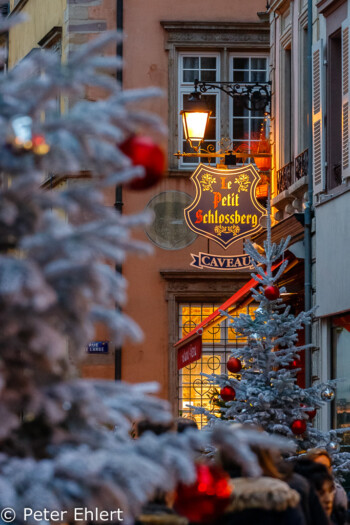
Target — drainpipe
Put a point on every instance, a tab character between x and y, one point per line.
118	191
308	209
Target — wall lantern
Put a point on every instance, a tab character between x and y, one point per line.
195	119
253	96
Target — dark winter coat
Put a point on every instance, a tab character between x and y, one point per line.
159	514
309	501
262	501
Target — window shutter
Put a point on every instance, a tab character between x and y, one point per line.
345	41
318	150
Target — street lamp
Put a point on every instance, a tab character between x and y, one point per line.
195	119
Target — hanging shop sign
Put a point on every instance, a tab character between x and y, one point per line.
225	208
190	352
221	262
97	347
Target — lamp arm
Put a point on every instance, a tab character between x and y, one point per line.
245	91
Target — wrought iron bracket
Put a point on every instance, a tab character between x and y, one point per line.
254	96
230	157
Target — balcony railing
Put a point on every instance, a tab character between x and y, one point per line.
292	172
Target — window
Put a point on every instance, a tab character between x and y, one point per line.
303	90
204	68
286	107
341	371
333	87
218	343
207	49
334	120
229	117
245	124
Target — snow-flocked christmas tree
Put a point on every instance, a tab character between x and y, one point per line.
262	388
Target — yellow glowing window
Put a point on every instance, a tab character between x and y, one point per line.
219	342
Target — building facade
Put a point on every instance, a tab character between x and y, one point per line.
167	296
328	171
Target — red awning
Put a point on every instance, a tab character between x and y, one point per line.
230	303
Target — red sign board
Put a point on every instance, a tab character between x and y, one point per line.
190	352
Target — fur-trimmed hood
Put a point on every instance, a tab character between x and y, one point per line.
161	519
261	493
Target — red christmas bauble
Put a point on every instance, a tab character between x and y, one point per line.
206	499
311	412
227	393
144	152
298	426
272	293
39	144
38	140
234	365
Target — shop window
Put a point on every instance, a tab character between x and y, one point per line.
341	371
218	340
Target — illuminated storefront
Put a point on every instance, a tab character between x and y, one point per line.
218	342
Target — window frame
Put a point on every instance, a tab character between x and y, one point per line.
222	37
185	88
224	103
251	56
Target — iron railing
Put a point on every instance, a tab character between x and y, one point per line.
284	177
301	163
292	172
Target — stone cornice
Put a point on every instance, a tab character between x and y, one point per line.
202	285
180	33
200	275
286	38
326	7
279	5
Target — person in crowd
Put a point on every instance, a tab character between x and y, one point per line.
184	423
320	455
322	481
159	510
144	425
266	500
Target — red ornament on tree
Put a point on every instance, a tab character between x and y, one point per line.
311	412
144	152
39	144
271	293
234	365
298	426
227	393
207	498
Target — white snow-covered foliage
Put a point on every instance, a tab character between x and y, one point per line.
267	393
66	442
